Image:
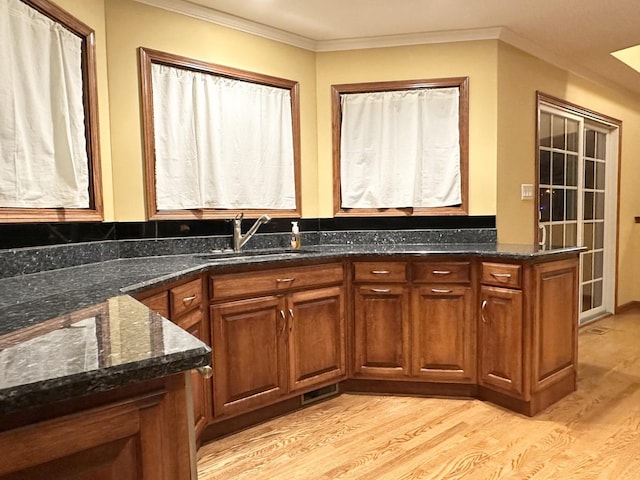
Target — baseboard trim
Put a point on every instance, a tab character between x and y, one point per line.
627	307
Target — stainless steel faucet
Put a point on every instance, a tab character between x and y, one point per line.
238	239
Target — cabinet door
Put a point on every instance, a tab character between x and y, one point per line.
249	357
555	323
316	337
381	333
193	323
500	341
443	334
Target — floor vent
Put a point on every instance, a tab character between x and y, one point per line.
598	330
319	394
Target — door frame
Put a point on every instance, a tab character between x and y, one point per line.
612	206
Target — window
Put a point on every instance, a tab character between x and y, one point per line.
401	148
218	140
49	148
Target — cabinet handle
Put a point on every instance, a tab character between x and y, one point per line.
285	280
284	321
189	299
206	371
441	272
501	275
438	290
292	318
482	309
380	290
380	272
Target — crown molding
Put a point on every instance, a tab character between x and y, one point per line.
189	9
422	38
200	12
185	7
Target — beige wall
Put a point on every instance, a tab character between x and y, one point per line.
131	25
477	60
92	13
519	76
503	82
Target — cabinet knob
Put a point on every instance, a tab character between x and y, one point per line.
438	290
206	371
441	272
380	272
380	290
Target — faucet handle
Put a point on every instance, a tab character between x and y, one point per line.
240	216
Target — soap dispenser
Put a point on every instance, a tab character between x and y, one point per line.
295	236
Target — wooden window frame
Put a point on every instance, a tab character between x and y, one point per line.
462	83
90	100
147	58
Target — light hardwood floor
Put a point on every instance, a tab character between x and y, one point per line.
593	434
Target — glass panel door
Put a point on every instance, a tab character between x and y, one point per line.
558	184
575	204
593	224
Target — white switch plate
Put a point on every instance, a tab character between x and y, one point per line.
526	190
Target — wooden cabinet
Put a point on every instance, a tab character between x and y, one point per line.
182	303
420	327
287	338
501	335
139	433
528	333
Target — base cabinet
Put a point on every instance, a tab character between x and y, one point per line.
144	436
287	341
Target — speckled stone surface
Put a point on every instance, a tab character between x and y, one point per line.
107	345
32	302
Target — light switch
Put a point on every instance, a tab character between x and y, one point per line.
526	190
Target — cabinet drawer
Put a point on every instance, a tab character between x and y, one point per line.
380	272
442	272
190	319
158	303
185	297
283	279
502	274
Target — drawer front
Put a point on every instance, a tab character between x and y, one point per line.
185	297
442	272
190	319
380	272
502	274
158	303
282	279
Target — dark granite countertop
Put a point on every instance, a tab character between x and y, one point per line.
73	331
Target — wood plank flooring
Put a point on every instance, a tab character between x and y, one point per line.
593	434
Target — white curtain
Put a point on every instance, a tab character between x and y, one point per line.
43	157
400	149
221	143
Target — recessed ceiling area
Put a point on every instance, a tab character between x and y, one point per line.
577	35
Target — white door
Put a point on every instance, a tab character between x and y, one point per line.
577	187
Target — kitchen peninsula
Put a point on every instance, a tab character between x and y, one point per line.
496	322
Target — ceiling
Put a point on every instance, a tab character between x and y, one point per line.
577	35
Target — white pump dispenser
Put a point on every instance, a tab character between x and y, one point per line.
295	236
